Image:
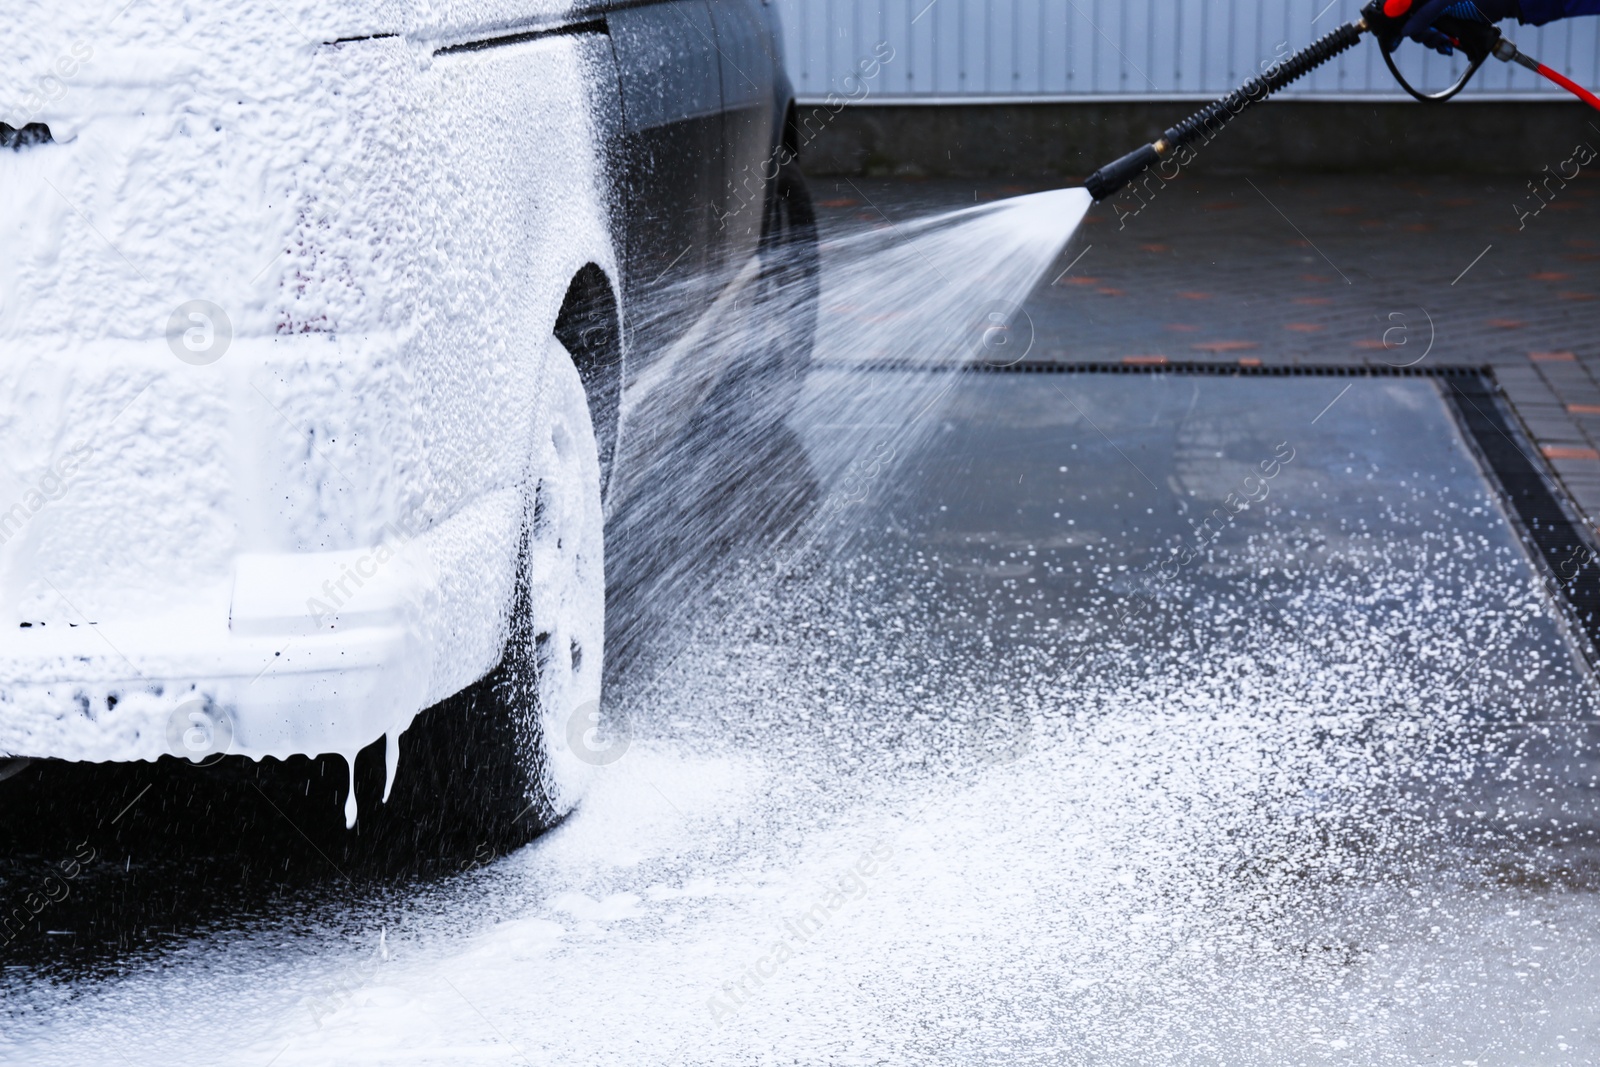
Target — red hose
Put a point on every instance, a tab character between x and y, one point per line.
1570	86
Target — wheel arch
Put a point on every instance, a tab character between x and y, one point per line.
589	325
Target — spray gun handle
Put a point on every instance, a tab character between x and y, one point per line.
1386	19
1476	40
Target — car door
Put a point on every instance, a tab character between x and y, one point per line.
749	67
672	166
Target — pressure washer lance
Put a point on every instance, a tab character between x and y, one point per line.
1385	20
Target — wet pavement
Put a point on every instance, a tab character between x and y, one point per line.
963	779
1328	271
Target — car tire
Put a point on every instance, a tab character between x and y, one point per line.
491	767
548	681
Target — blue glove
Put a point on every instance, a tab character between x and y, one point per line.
1420	28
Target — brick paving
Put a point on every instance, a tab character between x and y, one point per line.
1335	271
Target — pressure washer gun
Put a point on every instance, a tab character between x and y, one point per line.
1385	20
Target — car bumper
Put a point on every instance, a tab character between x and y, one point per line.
270	675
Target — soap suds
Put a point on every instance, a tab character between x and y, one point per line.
345	206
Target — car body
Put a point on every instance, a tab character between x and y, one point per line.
277	281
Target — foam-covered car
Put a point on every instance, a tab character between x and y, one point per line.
325	333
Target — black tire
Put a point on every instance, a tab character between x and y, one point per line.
490	768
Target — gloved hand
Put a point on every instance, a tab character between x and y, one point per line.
1420	27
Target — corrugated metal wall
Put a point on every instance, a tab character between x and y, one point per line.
1109	49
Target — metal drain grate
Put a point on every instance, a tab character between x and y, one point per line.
1224	370
1558	539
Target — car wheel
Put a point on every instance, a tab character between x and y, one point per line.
491	767
549	678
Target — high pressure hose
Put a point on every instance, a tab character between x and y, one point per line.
1384	19
1210	120
1512	54
1279	76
